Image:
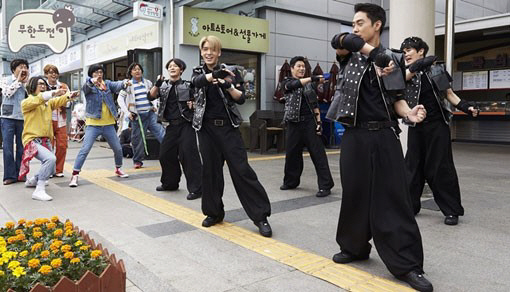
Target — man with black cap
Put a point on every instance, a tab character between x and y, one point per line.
375	200
429	148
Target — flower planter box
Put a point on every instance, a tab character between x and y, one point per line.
112	278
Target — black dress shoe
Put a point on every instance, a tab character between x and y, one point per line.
417	281
344	257
451	220
286	187
193	196
264	228
210	221
161	188
323	193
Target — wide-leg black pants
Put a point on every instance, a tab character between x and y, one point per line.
299	135
218	144
429	158
180	145
376	202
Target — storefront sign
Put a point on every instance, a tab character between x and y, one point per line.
141	34
235	32
147	11
475	80
499	79
69	60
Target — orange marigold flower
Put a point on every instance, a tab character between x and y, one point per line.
51	225
37	234
21	221
18	231
24	253
58	232
34	263
12	239
30	223
84	247
75	260
95	253
58	243
37	246
45	253
69	255
56	263
45	269
21	237
65	248
54	219
10	224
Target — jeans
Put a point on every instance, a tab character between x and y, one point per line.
149	121
11	128
47	159
91	133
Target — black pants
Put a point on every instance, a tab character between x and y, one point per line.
180	145
429	158
299	135
224	143
127	150
376	202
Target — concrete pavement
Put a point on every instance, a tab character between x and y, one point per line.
159	236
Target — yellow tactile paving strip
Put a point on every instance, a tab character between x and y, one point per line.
343	276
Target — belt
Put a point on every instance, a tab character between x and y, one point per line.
176	122
217	122
376	125
302	119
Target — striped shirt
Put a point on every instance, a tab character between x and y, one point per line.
141	101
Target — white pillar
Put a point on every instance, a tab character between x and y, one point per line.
411	18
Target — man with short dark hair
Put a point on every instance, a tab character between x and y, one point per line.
304	128
375	200
429	147
14	93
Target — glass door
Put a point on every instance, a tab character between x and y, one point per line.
151	61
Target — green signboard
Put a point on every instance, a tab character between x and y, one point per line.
235	32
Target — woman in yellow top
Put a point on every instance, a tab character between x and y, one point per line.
38	132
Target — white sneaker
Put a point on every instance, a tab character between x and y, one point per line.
74	181
41	195
60	174
31	182
120	173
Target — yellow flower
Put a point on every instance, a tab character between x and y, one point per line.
12	239
69	232
2	249
95	253
19	271
18	231
37	246
54	219
45	220
24	253
39	221
58	232
56	263
21	221
78	243
38	229
2	273
30	223
84	247
37	234
51	225
65	248
68	224
69	255
45	269
21	237
75	260
34	263
13	265
10	224
45	253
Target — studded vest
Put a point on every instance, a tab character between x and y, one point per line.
345	100
293	102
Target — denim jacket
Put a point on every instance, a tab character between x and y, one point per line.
12	96
95	97
352	69
440	80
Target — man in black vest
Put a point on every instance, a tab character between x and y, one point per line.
179	143
302	117
217	121
375	201
429	147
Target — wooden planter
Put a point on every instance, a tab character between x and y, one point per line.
112	279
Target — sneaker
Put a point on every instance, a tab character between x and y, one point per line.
120	173
138	165
41	195
60	174
31	182
416	280
74	181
